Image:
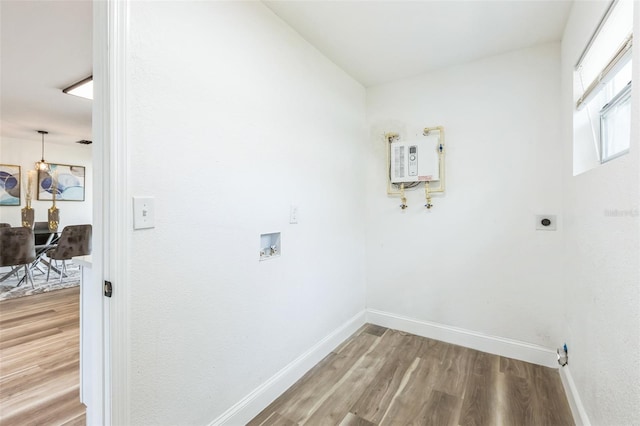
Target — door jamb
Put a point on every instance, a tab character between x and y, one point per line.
112	218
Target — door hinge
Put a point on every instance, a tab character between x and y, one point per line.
108	288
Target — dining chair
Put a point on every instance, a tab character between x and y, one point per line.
17	249
5	225
75	240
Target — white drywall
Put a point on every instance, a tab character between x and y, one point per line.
232	117
25	153
602	245
475	261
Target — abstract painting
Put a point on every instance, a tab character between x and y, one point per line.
9	185
67	180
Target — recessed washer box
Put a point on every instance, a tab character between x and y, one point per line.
270	245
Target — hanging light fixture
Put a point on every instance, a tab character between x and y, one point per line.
42	165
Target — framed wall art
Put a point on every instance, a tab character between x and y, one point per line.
9	185
65	179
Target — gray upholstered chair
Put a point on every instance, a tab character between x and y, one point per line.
17	249
75	240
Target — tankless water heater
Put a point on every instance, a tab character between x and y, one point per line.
415	160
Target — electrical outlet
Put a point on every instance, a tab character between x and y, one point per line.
546	222
143	212
293	213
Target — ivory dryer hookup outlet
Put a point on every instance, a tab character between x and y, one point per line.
546	222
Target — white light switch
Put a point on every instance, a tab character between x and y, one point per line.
143	212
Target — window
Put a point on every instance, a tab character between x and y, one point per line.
615	125
602	82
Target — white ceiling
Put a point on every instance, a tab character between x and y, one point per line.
381	41
46	46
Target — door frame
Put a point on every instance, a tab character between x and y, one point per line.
111	213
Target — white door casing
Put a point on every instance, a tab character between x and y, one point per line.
108	317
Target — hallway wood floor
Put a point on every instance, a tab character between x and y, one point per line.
40	360
385	377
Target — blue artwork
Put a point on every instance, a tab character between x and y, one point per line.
9	185
67	180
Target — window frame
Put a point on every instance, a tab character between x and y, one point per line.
622	96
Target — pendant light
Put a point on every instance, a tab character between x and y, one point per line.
42	165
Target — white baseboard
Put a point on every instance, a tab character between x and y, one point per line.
252	404
528	352
577	409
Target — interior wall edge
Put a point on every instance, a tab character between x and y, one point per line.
510	348
258	399
575	403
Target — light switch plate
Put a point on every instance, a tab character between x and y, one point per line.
143	212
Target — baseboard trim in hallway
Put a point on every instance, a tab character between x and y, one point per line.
509	348
252	404
575	403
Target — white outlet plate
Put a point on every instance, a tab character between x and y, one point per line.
293	214
143	213
553	222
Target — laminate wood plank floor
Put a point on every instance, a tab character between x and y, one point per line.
40	360
381	376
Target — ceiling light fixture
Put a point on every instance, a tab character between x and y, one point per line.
83	89
42	165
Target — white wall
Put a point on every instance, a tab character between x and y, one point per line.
25	154
231	118
602	294
475	261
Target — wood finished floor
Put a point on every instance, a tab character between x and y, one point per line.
39	360
385	377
